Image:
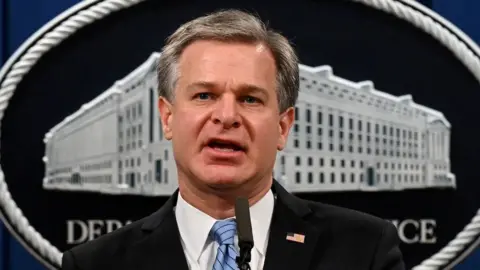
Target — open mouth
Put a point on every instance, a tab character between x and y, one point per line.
225	146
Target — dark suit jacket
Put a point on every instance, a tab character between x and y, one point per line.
335	238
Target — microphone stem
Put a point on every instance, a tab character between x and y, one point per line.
244	267
244	258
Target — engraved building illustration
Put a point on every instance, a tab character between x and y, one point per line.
347	136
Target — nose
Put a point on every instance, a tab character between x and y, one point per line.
225	112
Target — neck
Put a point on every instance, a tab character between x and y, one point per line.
220	204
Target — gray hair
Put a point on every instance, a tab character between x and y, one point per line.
231	26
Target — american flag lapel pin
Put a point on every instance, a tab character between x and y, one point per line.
296	237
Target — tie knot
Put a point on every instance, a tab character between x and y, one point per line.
224	231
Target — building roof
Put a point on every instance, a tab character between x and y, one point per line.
133	78
326	72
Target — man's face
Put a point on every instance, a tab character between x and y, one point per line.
224	121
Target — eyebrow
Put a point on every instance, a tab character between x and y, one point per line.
249	88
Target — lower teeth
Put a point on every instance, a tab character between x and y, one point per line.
225	149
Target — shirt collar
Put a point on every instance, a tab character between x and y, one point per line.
261	216
194	225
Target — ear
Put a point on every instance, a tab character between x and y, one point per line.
166	116
286	121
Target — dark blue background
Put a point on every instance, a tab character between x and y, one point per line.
21	18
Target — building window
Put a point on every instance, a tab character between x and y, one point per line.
165	180
310	177
134	113
308	115
319	118
158	170
297	177
297	161
322	178
166	154
295	143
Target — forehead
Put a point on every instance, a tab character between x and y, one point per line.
233	62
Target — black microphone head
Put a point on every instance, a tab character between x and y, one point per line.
244	224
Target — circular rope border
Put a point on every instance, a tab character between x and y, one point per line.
87	12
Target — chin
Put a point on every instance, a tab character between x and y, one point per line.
227	180
223	177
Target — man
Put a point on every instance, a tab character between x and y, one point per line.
227	91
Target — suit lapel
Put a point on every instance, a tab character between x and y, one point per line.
289	216
160	245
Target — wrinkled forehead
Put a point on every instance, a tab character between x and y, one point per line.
227	63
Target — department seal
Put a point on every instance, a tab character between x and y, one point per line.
384	121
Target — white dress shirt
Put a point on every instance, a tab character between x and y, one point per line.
200	250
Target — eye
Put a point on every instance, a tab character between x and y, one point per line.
203	96
250	99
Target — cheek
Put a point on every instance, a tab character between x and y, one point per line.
267	137
185	129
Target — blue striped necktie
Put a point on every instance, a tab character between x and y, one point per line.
224	233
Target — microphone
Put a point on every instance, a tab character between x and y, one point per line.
244	231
